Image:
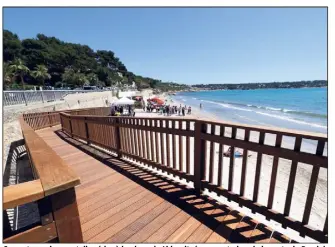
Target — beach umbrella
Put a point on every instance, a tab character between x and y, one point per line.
158	101
124	101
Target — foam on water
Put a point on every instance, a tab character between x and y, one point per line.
303	109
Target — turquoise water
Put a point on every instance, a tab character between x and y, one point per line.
302	109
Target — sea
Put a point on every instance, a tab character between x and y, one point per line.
299	108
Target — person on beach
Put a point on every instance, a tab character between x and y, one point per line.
183	111
113	110
236	154
189	110
200	106
129	110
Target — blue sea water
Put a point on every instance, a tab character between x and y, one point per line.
301	109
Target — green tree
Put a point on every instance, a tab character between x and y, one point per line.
11	46
7	75
61	57
74	79
92	79
41	74
19	69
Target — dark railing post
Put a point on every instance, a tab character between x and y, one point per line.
199	155
66	216
117	137
61	121
50	124
86	130
70	123
45	210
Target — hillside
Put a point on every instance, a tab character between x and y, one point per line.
48	61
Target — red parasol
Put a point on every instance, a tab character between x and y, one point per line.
158	101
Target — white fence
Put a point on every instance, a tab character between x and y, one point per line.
31	97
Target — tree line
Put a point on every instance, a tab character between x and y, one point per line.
48	61
259	85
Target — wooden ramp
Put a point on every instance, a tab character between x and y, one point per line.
121	202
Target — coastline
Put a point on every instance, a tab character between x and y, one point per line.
304	172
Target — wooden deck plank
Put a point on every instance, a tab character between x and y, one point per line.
117	200
170	227
96	220
133	224
143	233
124	221
95	198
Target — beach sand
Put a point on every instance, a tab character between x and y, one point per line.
319	207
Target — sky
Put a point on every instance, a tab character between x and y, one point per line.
192	45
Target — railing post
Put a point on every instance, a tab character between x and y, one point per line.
25	98
86	130
61	120
70	126
45	210
49	119
66	216
199	155
117	137
42	96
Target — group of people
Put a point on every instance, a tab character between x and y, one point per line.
171	110
168	110
150	108
119	110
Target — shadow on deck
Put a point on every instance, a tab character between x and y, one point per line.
200	218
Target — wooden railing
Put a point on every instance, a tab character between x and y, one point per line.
193	150
52	190
40	120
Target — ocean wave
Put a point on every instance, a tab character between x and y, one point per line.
268	108
272	108
194	98
282	117
292	120
227	105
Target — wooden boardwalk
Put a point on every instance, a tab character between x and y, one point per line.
121	202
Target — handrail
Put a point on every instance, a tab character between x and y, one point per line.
54	173
19	194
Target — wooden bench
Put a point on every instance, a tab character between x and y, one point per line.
52	190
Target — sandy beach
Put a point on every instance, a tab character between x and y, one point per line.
12	132
319	208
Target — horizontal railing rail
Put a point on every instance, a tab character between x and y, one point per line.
167	144
40	120
28	97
